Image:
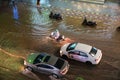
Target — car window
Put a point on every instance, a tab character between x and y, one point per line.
93	51
71	46
83	54
44	66
46	59
59	63
38	58
74	52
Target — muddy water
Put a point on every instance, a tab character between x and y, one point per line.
31	30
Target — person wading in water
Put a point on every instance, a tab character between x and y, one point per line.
38	3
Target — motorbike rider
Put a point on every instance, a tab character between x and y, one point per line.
56	35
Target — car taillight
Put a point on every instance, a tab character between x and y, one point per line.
63	72
96	60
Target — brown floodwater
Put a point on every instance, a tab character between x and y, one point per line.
30	31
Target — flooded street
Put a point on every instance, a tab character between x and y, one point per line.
30	31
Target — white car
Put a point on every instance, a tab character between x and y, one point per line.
81	52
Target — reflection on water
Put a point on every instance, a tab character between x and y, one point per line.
15	13
40	21
39	16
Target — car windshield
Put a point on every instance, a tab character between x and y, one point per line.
59	63
39	58
71	46
93	51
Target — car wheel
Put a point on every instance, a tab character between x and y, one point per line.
64	57
55	76
30	69
88	63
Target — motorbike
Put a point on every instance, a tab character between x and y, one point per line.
56	16
58	39
89	23
56	36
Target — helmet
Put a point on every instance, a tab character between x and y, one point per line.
56	30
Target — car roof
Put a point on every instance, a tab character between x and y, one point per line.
52	60
83	47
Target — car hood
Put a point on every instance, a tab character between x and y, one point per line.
64	47
31	57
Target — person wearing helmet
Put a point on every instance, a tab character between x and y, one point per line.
55	34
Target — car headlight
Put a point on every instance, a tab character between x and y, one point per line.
25	63
61	52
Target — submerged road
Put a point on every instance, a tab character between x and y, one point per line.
30	30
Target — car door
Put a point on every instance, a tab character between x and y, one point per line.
78	55
44	68
74	55
83	56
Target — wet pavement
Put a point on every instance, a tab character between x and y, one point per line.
30	31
